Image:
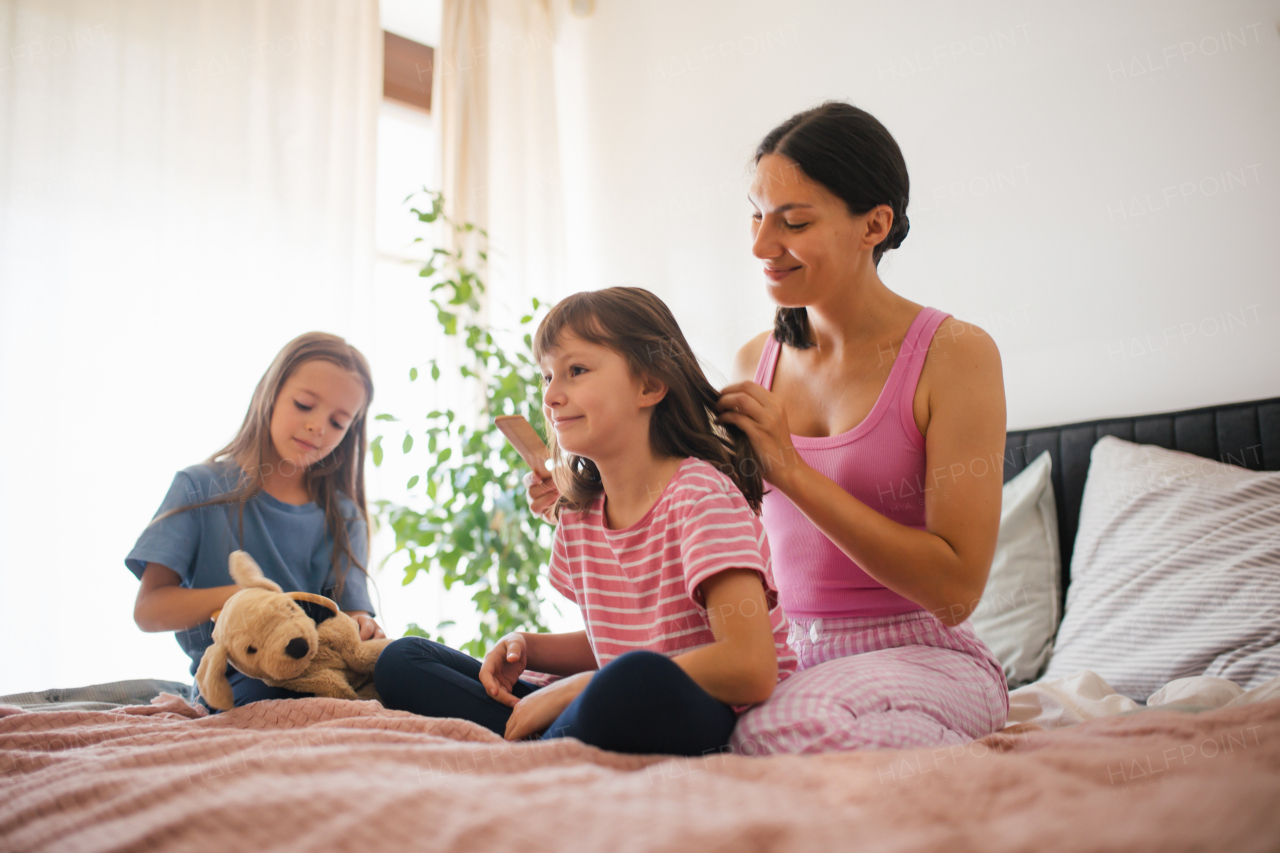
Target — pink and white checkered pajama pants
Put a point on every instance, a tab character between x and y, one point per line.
878	682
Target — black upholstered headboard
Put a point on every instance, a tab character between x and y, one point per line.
1244	434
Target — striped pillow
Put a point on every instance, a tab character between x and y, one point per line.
1176	572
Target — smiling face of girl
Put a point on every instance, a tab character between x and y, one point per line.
809	242
312	413
596	406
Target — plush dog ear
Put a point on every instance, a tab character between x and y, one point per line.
318	613
245	572
211	675
317	607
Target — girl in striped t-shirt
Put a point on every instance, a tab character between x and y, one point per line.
658	541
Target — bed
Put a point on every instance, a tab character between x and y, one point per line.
1080	766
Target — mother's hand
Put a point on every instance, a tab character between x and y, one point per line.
759	413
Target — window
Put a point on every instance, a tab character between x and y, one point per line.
406	335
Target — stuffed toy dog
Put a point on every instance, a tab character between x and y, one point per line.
294	640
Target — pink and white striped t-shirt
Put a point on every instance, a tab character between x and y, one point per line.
638	587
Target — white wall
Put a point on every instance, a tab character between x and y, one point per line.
1094	184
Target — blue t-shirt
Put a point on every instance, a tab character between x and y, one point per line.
290	544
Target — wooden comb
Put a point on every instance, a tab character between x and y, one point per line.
526	441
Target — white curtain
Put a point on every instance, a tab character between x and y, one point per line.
494	105
184	187
500	154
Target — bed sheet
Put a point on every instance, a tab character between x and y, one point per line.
330	774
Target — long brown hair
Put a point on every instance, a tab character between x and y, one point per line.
639	327
339	473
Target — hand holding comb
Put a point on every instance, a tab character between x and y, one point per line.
526	441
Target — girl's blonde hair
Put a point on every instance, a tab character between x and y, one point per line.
638	326
339	473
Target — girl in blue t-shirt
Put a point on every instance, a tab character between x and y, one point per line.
288	489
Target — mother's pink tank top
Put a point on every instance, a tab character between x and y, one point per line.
880	462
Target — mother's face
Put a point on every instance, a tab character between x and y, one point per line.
809	241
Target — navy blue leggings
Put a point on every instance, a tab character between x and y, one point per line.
641	702
245	690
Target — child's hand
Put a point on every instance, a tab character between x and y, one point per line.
502	667
369	629
536	712
543	495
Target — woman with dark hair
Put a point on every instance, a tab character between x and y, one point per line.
880	428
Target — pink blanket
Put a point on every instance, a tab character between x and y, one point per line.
311	774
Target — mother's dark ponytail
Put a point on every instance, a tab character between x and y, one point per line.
847	151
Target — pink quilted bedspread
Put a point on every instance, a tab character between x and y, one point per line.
328	774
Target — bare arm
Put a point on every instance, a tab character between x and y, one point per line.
163	604
559	654
741	666
744	363
943	567
556	654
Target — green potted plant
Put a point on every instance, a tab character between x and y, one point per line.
478	529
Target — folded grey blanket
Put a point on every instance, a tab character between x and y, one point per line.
98	697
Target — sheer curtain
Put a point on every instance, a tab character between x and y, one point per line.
184	187
495	108
500	153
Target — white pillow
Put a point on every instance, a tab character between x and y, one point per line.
1019	612
1176	571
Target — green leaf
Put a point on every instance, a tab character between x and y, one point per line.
408	442
385	418
477	531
